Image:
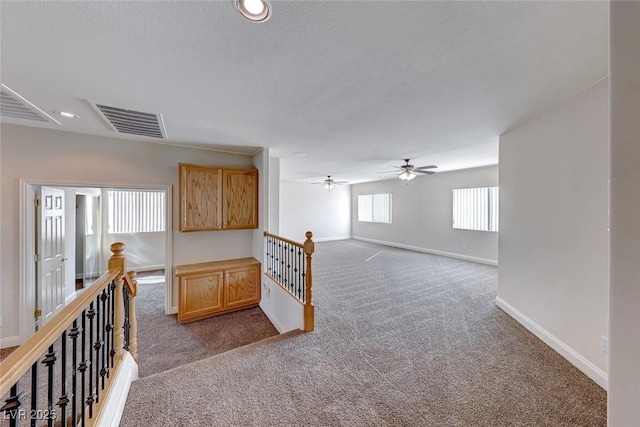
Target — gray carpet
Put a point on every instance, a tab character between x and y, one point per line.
163	343
406	339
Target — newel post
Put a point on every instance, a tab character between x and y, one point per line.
309	248
119	261
133	320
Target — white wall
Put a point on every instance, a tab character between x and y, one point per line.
553	274
308	207
33	153
624	356
423	213
284	311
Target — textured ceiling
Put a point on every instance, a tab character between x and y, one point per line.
355	85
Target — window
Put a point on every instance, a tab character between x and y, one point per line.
375	208
136	211
475	208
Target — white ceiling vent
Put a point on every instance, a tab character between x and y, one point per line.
13	105
132	122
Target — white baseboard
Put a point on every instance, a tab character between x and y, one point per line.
588	368
147	268
10	341
331	239
431	251
174	310
113	406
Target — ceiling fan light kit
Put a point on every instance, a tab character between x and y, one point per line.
407	175
329	183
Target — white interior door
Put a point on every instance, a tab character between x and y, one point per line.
50	260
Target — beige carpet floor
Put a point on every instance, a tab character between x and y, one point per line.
163	343
405	339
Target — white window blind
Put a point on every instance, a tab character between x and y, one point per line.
374	208
475	208
136	211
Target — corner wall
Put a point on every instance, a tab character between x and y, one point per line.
624	356
422	215
553	275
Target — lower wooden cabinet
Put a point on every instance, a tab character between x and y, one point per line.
211	288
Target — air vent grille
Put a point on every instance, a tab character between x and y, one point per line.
15	106
133	122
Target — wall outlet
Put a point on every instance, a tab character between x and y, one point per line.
604	344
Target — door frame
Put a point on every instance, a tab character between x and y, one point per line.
27	252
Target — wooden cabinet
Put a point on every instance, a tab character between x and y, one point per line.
211	288
214	198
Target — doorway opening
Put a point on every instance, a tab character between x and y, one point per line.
88	227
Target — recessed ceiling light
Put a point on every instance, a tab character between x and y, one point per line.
299	154
66	114
254	10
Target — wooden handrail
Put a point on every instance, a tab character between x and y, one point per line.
21	360
291	242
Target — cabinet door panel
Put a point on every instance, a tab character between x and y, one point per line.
200	191
200	294
240	195
242	286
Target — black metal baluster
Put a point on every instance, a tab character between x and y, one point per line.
83	367
97	346
281	266
292	278
285	251
112	313
127	325
304	274
273	257
64	399
90	399
50	360
34	392
299	270
73	334
105	338
11	408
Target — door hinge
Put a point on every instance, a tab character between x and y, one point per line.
37	313
38	258
36	202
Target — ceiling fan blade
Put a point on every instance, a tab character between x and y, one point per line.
426	167
340	182
423	172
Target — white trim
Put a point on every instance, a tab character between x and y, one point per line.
577	360
173	310
70	297
10	341
113	405
430	251
331	239
27	242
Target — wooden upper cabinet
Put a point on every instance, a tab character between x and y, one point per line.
200	191
214	198
240	199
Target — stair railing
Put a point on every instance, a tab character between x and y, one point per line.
81	349
288	263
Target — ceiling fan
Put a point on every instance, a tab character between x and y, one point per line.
409	171
329	183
